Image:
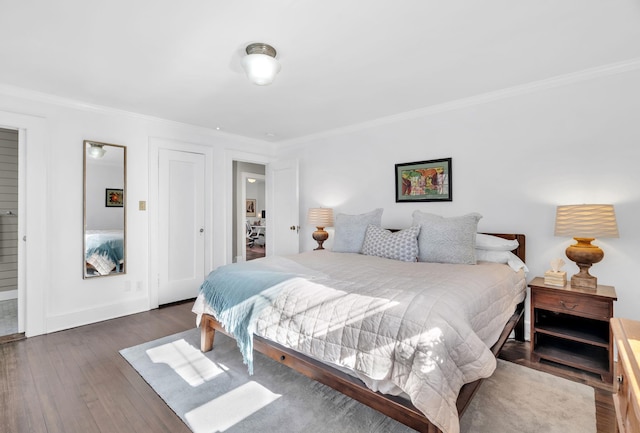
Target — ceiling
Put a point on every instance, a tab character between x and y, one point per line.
344	63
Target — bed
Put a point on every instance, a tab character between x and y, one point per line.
358	324
104	251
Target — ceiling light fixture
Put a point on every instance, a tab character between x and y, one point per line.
251	180
261	64
96	150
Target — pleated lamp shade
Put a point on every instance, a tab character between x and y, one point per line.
320	216
586	221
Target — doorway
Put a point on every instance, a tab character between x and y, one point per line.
249	211
255	216
9	176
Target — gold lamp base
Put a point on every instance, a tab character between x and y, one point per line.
320	236
585	255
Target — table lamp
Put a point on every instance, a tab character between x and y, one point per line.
320	217
584	223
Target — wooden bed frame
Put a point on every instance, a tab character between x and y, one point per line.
394	407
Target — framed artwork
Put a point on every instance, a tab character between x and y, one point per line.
424	181
114	198
251	207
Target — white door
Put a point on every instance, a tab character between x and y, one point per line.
283	212
181	208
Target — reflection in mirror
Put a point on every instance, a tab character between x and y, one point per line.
105	167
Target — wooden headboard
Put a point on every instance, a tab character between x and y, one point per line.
520	251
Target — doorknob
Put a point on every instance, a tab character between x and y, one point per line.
201	230
292	228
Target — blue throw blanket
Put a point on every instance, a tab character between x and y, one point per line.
238	293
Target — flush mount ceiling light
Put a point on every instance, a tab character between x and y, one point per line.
260	63
96	150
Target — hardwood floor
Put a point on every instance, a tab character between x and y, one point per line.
75	381
255	252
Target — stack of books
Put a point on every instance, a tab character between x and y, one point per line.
552	278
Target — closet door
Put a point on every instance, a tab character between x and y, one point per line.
181	225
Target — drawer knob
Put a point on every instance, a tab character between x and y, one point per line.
568	306
620	378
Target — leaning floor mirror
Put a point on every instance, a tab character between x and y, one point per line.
105	180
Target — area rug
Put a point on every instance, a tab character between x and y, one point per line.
212	392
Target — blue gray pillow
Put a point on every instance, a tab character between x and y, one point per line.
447	240
401	245
350	230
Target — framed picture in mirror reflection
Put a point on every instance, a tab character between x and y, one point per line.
114	197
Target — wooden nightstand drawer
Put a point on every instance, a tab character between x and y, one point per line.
573	304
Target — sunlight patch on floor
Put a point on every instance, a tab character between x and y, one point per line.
220	414
187	361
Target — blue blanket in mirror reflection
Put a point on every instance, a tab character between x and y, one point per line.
104	252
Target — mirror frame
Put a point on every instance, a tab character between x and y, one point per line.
85	143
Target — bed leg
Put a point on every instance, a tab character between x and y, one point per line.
519	329
207	333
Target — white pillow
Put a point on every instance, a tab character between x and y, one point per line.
495	243
350	230
501	257
401	245
447	240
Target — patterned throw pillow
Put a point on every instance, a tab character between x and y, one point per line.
402	245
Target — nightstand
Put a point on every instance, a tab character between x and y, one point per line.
570	326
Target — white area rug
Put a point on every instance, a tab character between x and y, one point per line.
212	392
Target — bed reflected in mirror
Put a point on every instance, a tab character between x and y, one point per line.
104	242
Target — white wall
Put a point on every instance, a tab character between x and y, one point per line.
514	159
55	166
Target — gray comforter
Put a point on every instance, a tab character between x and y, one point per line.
420	329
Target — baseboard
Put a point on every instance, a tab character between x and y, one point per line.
8	295
105	312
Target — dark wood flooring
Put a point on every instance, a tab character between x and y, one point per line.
255	252
75	381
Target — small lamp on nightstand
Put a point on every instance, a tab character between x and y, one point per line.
585	223
320	217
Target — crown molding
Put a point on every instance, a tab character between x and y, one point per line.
509	92
46	98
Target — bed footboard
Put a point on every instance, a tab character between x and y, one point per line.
393	407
